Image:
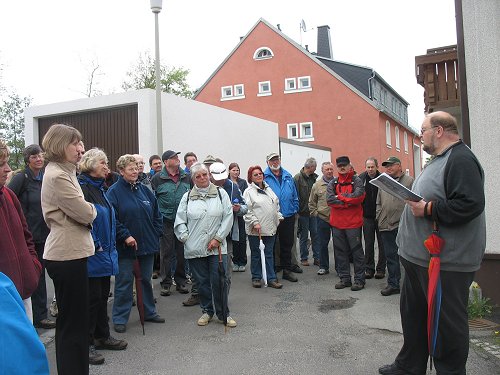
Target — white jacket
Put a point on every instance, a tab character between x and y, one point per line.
263	208
203	219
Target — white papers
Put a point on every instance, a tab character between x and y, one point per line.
393	187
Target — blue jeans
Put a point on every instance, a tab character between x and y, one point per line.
324	234
124	282
391	254
307	224
206	274
255	261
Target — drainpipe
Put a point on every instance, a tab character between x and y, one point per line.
370	90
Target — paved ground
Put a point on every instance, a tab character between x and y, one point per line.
305	328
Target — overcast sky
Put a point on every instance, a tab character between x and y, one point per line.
47	47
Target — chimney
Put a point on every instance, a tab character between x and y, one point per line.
279	26
324	43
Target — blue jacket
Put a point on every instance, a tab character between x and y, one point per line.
137	215
285	191
105	260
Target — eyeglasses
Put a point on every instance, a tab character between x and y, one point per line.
201	175
257	174
140	163
423	130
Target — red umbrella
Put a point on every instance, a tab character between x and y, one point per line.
138	289
434	244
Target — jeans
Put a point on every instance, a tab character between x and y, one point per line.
391	253
206	273
39	296
453	332
124	282
370	229
72	325
256	264
307	224
324	234
240	246
171	253
345	243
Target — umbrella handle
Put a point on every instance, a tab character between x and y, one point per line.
220	253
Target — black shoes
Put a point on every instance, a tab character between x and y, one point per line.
193	300
155	319
295	268
110	344
379	275
369	274
182	289
391	369
288	275
389	290
343	284
94	357
357	286
120	328
45	324
165	290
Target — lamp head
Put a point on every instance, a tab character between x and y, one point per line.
156	6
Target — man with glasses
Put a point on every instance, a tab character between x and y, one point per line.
282	184
170	185
143	178
389	210
345	195
452	187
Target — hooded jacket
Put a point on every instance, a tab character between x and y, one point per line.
345	195
285	190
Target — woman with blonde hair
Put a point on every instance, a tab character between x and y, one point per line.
69	244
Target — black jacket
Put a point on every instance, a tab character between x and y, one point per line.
370	202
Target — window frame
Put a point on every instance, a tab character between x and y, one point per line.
396	136
289	128
388	134
294	80
264	93
259	50
405	141
303	125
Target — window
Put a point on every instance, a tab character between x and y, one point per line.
292	131
263	53
233	92
396	135
405	141
304	82
306	130
264	88
388	133
290	84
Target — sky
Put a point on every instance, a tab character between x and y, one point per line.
47	48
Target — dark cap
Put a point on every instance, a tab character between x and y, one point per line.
209	160
342	160
169	154
390	161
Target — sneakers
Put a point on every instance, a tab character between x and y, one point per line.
188	279
193	300
204	319
236	268
296	269
120	328
275	284
165	290
379	275
94	357
288	275
110	344
389	290
256	283
230	322
343	284
357	286
242	269
53	308
182	289
322	272
45	324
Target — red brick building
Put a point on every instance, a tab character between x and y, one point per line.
314	98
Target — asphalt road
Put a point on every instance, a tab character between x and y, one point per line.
307	327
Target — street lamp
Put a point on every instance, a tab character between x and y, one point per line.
156	8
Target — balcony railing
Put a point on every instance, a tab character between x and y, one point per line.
437	73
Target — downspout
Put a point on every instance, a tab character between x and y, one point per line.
370	90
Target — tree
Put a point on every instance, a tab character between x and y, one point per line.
12	126
92	71
172	80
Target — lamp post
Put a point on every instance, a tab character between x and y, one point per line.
156	8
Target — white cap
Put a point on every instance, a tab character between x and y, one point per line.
218	171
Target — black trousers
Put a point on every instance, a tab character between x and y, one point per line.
452	346
72	325
286	236
240	246
98	308
171	248
39	296
370	231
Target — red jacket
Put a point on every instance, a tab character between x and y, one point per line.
18	258
345	195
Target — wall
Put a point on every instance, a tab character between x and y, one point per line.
294	154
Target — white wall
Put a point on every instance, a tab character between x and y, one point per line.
294	154
482	44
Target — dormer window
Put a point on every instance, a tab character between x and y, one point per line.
263	53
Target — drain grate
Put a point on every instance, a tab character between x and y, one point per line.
480	323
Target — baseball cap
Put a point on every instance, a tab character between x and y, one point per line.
391	160
210	159
342	160
272	155
168	154
218	171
